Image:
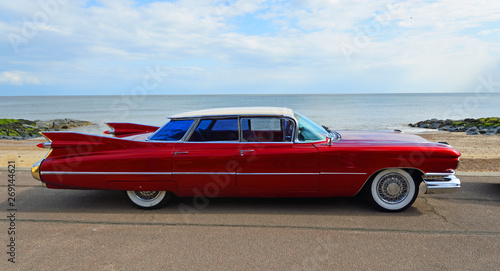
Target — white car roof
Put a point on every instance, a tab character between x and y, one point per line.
237	111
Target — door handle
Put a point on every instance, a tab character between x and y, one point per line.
243	151
180	152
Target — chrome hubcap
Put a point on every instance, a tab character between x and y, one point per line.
147	195
392	188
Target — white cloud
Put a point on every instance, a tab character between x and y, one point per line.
488	32
334	15
440	44
18	78
453	15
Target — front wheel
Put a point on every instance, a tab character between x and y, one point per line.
393	190
149	199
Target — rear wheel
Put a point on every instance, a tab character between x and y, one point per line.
393	190
149	199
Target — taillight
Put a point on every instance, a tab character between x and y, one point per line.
44	145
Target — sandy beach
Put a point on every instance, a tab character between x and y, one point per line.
479	153
24	152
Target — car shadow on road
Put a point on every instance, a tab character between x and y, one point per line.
41	200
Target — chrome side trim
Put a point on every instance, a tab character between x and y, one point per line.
277	173
101	173
303	173
129	173
193	173
343	173
203	173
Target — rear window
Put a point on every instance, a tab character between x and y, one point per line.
172	131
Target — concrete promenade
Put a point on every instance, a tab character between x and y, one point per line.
101	230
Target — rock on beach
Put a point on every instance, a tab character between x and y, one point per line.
481	126
19	129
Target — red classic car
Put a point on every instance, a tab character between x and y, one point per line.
248	152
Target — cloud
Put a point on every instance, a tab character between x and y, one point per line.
296	44
454	15
18	78
488	32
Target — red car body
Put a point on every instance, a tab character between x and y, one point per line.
233	163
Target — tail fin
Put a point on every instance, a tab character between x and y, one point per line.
75	144
128	129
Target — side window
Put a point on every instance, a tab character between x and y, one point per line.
262	129
226	125
172	131
216	130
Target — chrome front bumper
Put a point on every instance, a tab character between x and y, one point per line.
441	183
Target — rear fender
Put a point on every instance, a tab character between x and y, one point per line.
72	144
83	161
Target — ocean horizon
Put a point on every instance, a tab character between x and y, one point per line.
337	111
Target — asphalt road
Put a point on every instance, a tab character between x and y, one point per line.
101	230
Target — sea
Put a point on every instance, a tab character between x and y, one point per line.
337	111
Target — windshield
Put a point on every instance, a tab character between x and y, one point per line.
310	130
174	130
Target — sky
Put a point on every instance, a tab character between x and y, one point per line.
116	47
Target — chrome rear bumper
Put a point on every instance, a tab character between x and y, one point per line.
35	170
440	183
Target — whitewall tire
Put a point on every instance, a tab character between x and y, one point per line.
149	199
393	190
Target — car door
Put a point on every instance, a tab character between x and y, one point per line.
270	163
206	161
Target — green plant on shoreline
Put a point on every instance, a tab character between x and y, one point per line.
18	127
489	125
23	129
5	121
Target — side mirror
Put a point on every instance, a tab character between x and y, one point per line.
330	138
